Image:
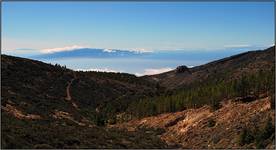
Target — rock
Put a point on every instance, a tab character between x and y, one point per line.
42	146
182	69
244	99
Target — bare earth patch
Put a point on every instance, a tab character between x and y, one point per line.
65	115
190	128
19	114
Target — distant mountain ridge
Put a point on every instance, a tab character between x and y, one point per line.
181	54
91	53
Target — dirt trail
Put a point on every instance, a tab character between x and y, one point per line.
66	115
68	94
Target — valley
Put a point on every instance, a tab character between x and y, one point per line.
228	103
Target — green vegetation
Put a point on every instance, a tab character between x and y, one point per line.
64	134
247	87
265	133
258	135
122	77
211	123
34	87
39	88
246	137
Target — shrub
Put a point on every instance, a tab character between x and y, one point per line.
272	101
42	146
215	105
245	137
265	133
260	136
211	123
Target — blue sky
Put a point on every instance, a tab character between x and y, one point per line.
205	31
137	25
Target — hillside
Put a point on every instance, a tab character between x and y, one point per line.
203	128
226	69
41	104
47	88
247	76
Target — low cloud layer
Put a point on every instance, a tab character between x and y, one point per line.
109	50
152	71
61	49
99	70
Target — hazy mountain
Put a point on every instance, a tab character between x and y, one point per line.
91	53
202	55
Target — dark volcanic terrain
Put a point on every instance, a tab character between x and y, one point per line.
227	68
228	103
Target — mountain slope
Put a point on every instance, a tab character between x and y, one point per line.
41	89
41	104
244	77
225	69
203	128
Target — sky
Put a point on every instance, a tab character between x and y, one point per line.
136	25
33	28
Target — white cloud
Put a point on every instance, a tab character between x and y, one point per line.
156	71
135	50
140	50
60	49
138	74
100	70
146	71
152	71
109	50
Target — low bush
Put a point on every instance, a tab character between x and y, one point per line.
211	123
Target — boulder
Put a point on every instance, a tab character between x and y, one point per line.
182	69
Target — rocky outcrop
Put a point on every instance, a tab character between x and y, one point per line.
182	69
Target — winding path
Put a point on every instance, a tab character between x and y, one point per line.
68	94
